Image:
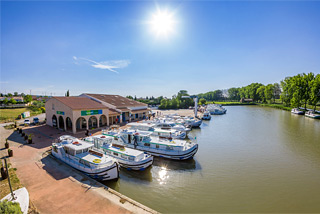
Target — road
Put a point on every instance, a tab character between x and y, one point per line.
41	117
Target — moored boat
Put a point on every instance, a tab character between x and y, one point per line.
82	156
206	116
143	140
168	133
297	111
128	158
312	114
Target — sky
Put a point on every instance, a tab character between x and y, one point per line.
111	47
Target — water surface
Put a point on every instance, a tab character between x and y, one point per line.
253	159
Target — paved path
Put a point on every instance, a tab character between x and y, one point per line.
54	187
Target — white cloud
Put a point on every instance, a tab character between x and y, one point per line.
107	65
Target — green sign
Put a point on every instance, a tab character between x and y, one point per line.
90	112
60	112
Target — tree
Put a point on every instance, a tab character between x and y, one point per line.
202	101
276	91
234	94
261	94
28	98
287	90
15	93
5	101
9	95
12	101
68	93
129	97
307	82
315	91
298	89
268	92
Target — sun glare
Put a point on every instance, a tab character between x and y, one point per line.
162	23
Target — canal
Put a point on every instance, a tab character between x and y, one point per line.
253	159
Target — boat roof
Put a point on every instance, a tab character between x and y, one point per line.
76	144
141	124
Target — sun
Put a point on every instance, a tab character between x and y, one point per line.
162	23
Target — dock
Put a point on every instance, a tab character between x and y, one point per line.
55	187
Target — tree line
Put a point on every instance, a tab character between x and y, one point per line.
301	89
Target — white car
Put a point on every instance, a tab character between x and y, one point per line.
27	121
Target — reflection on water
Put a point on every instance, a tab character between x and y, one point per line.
190	164
253	159
162	175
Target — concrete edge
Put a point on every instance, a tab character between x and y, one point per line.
112	191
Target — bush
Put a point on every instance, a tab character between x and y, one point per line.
10	207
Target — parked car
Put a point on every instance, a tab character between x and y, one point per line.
36	120
27	121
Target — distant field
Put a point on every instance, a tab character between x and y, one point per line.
8	115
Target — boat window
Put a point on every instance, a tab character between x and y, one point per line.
131	158
116	154
123	156
78	151
85	150
169	148
106	150
157	146
84	162
147	144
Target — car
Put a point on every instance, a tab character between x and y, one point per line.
27	121
36	120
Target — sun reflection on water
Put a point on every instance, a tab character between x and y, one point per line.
163	175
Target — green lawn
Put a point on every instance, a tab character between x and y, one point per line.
8	115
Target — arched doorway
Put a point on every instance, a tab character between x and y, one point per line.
81	123
54	121
68	124
93	123
103	120
61	123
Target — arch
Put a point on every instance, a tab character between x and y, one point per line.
81	123
54	121
103	120
68	124
61	123
92	122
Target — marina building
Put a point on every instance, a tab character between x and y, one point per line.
90	111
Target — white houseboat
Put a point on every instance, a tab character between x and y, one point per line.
157	131
297	111
143	140
312	114
128	158
82	156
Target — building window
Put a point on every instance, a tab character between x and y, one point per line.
52	106
136	115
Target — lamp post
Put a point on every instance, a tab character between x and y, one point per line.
195	98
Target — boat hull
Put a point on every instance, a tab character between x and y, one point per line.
103	174
141	165
188	154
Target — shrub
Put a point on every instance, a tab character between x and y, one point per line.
10	207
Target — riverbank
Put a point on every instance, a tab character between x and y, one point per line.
55	187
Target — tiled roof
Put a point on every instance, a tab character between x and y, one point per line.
77	103
116	100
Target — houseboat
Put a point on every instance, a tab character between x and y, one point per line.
128	158
297	111
162	147
167	133
312	114
82	156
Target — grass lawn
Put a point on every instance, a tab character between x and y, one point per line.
15	182
8	115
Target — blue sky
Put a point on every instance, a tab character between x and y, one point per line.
50	47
